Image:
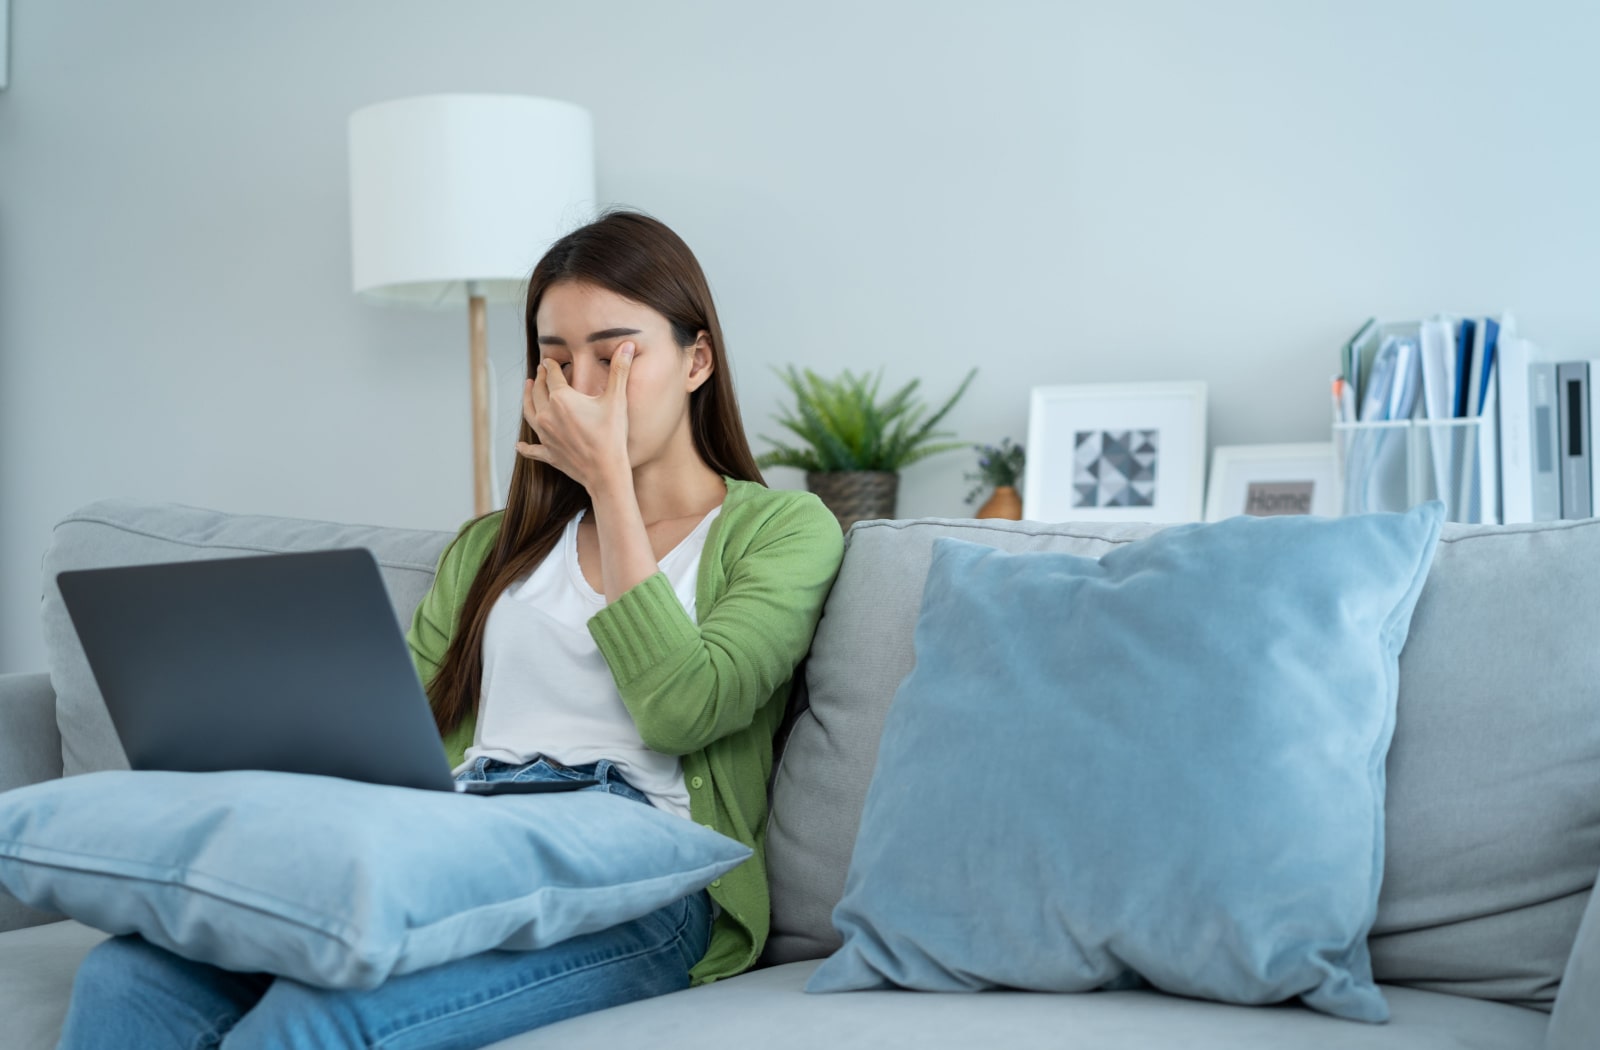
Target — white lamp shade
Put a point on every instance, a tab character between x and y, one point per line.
446	189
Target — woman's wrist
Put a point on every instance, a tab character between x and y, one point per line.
613	484
626	557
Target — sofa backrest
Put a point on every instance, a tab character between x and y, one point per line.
1493	802
134	532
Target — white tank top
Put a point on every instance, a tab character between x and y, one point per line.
547	690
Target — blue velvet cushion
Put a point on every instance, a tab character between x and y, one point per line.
1164	765
339	883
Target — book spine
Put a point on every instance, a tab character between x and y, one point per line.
1545	453
1572	399
1488	476
1464	336
1516	462
1490	342
1594	422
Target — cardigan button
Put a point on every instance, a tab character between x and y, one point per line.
715	883
696	783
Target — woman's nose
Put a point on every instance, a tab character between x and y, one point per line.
590	379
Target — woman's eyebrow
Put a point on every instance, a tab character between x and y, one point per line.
594	337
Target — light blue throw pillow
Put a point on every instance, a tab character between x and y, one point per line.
1164	765
339	883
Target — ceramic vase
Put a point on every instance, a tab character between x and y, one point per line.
1004	503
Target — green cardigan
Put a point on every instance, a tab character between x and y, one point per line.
713	693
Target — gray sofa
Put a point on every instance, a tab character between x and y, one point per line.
1485	936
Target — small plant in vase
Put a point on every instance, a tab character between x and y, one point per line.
853	444
1000	467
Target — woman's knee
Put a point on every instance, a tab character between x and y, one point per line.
129	992
295	1014
121	961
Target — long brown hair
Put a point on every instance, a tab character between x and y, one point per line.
638	258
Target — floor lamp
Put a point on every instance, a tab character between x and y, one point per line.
455	197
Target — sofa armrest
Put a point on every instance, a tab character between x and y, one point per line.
30	743
30	752
1575	1022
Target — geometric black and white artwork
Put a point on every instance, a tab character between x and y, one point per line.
1115	468
1116	452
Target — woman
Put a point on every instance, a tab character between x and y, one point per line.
633	615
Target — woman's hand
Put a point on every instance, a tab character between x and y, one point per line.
586	438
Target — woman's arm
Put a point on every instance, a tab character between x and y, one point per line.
433	624
626	557
687	685
586	438
433	621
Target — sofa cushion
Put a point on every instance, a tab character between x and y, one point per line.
340	883
767	1009
1492	825
1206	813
137	532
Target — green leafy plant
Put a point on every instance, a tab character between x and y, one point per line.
844	426
997	465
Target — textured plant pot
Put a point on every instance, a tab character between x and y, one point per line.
856	495
1004	503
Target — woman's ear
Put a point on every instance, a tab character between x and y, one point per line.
701	366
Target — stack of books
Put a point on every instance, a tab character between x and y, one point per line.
1467	410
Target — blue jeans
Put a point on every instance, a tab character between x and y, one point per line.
132	995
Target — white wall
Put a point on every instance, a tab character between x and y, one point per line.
1057	192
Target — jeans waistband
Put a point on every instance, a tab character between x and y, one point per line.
542	767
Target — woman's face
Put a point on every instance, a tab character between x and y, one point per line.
581	325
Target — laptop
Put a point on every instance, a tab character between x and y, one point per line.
289	662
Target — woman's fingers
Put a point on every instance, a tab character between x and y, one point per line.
539	387
535	402
576	432
621	365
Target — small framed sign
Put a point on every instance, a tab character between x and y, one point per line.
1269	480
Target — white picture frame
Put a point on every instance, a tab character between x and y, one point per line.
1116	452
1266	480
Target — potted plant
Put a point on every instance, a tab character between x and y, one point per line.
854	445
999	466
